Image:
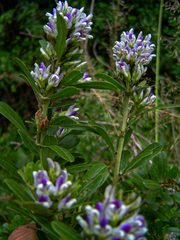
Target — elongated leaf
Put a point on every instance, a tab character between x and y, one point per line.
144	156
125	158
18	190
46	151
45	223
97	85
80	127
69	141
160	163
77	168
166	198
136	179
66	232
173	172
71	78
162	107
30	79
10	167
29	144
62	152
20	211
13	117
111	80
62	120
64	93
93	185
95	169
61	37
105	136
151	184
37	208
151	197
174	230
127	137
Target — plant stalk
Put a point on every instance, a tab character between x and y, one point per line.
121	141
157	70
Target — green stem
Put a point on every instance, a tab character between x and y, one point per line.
157	69
43	132
121	141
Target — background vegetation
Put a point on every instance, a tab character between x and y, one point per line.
20	29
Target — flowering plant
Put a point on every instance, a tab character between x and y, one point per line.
58	190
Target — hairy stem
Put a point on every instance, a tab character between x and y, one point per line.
121	141
157	70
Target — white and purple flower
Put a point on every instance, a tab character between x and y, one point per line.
114	219
53	187
133	53
77	23
41	74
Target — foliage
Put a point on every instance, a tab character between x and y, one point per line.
103	164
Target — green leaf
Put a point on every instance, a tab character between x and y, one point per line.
81	127
37	208
143	171
97	85
111	80
174	230
69	141
94	170
20	211
62	152
173	173
136	179
77	168
166	198
61	37
18	190
125	158
151	184
64	93
160	162
151	197
71	78
91	186
65	232
31	145
13	117
144	156
46	151
127	137
162	107
29	78
62	120
44	44
45	223
105	136
10	167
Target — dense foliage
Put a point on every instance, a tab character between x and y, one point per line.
82	153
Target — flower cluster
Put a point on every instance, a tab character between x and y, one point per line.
44	79
54	188
114	219
77	23
143	98
131	54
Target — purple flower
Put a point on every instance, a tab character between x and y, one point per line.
41	74
78	24
114	219
85	78
134	52
53	187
